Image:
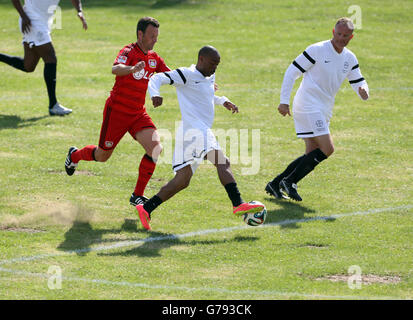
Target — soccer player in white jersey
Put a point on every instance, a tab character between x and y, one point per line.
36	18
194	140
325	65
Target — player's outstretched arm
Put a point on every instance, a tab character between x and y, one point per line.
78	6
26	23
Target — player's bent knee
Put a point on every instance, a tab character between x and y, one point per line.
156	152
29	68
328	151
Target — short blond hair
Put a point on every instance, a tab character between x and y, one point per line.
346	21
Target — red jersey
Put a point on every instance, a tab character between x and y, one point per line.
129	92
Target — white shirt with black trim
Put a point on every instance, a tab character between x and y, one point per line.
41	11
324	71
196	95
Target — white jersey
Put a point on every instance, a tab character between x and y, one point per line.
41	11
196	95
324	71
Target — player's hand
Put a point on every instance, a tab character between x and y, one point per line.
26	24
230	106
82	18
138	67
157	101
215	87
284	109
363	93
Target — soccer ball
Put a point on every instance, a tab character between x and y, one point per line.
257	218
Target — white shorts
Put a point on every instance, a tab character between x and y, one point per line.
39	33
191	147
310	124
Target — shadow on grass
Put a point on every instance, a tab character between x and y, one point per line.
158	241
289	213
81	236
16	122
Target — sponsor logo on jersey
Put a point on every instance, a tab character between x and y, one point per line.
346	65
152	63
122	59
143	74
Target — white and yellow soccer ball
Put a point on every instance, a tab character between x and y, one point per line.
257	218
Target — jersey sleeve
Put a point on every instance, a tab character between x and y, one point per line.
356	79
161	65
307	59
124	58
176	78
301	64
220	100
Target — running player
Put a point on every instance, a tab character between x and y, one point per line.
36	18
125	110
325	66
194	140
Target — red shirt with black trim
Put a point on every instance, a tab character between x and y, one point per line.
129	92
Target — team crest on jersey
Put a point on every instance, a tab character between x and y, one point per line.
122	59
152	63
319	123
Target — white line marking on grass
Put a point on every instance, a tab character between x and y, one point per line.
197	233
202	289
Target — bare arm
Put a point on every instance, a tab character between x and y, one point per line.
26	23
123	70
78	6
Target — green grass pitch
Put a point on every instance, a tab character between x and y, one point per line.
357	208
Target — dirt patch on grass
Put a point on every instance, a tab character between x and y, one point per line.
45	214
365	279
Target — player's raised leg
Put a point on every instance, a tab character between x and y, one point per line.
26	64
150	141
227	179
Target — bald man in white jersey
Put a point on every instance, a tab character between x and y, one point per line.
194	140
325	65
36	18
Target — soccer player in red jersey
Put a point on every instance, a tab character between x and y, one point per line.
125	110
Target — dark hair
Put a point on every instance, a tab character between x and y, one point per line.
207	51
144	22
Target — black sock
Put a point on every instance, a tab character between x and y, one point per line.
233	194
152	203
15	62
287	171
306	165
50	79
